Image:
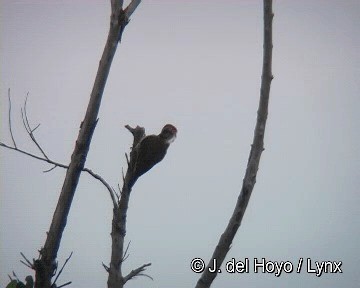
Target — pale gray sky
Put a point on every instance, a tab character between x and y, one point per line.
197	65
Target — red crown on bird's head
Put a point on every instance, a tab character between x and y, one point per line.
169	128
168	133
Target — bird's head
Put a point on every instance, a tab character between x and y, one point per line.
168	133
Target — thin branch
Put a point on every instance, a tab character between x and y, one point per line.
15	276
132	130
37	126
257	147
32	130
138	133
129	10
57	276
137	272
63	285
107	269
118	194
33	155
127	159
27	263
11	133
29	130
125	256
146	275
57	164
115	194
109	188
48	170
23	120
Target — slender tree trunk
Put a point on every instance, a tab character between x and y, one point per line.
257	147
46	266
116	279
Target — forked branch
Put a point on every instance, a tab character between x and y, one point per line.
62	268
27	263
118	231
30	131
137	272
28	128
47	262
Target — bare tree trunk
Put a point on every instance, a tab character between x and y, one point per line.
257	147
118	230
45	266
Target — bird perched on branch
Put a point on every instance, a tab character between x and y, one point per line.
151	150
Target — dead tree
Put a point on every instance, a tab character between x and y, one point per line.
120	202
45	267
118	227
257	147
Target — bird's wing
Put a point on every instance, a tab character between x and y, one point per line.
151	151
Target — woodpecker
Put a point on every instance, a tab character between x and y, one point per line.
151	150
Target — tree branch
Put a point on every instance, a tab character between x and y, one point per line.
63	285
45	158
28	128
129	10
126	254
137	272
138	133
109	188
106	267
46	267
118	230
12	136
257	147
57	164
27	263
62	268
